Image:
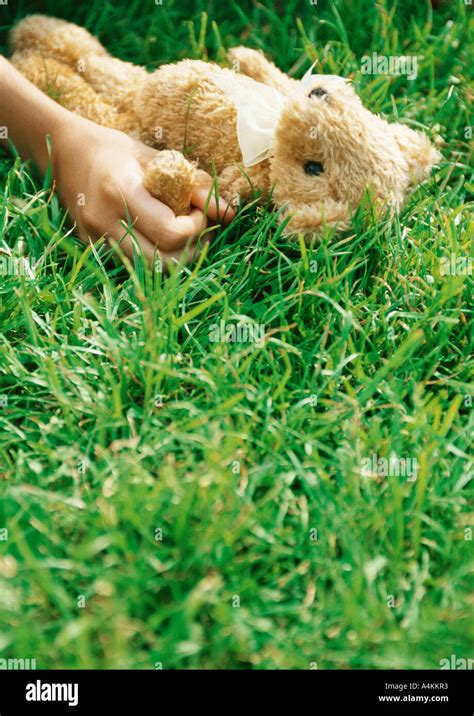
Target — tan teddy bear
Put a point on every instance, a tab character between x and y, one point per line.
311	140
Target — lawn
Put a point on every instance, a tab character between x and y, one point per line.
172	501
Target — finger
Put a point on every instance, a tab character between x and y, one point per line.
130	244
159	224
203	196
121	239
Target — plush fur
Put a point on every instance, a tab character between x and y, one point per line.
191	108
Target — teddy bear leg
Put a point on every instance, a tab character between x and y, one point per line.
171	178
254	64
56	38
78	49
62	84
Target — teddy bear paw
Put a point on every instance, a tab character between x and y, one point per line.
171	178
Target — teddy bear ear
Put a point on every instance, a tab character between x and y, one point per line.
418	151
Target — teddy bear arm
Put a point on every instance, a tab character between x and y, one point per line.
171	178
236	182
254	64
311	219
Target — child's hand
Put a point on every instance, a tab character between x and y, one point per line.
99	173
99	177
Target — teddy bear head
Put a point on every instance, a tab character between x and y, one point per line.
325	149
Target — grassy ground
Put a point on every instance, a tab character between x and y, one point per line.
175	501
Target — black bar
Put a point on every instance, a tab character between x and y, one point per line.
154	692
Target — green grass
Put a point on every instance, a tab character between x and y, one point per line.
177	484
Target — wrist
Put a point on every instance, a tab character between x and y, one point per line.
72	136
53	126
29	115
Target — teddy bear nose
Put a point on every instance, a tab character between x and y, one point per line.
317	92
313	168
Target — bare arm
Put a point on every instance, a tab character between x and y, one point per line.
28	115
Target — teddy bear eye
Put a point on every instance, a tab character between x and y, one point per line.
317	92
313	168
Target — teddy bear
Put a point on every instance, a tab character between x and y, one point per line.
310	144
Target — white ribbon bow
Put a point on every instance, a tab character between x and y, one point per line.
258	116
257	120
